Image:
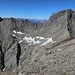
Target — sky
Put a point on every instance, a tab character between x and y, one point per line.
33	9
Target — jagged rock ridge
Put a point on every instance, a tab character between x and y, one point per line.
52	55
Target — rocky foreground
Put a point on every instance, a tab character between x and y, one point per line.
38	49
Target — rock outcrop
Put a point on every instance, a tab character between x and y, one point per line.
2	65
1	19
36	49
60	27
10	48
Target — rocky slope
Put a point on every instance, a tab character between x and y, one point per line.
36	49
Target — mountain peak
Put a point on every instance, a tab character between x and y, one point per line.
35	48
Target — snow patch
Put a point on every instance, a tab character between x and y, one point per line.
14	31
3	69
38	37
14	35
20	41
48	41
31	40
20	32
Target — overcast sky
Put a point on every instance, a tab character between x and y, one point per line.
36	9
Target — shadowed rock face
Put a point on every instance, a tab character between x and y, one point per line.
1	19
60	27
71	23
2	63
10	48
18	53
49	59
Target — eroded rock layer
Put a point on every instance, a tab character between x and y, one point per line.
38	49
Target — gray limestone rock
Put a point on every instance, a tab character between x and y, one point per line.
53	58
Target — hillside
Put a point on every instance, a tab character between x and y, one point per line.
38	49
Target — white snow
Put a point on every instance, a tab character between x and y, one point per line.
31	40
48	41
14	35
3	69
38	37
20	32
14	31
20	41
37	42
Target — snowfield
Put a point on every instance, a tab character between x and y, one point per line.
14	31
32	41
48	41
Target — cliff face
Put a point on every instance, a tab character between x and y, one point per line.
9	41
38	49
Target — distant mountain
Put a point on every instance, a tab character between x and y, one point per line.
28	48
38	21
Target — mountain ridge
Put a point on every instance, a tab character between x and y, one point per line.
39	49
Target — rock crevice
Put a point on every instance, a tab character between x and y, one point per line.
18	53
69	25
2	63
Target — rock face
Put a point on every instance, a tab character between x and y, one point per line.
2	65
1	19
9	42
38	49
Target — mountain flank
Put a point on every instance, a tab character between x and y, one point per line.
38	49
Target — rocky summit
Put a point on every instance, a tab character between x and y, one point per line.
38	49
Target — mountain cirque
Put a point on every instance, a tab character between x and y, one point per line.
38	49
